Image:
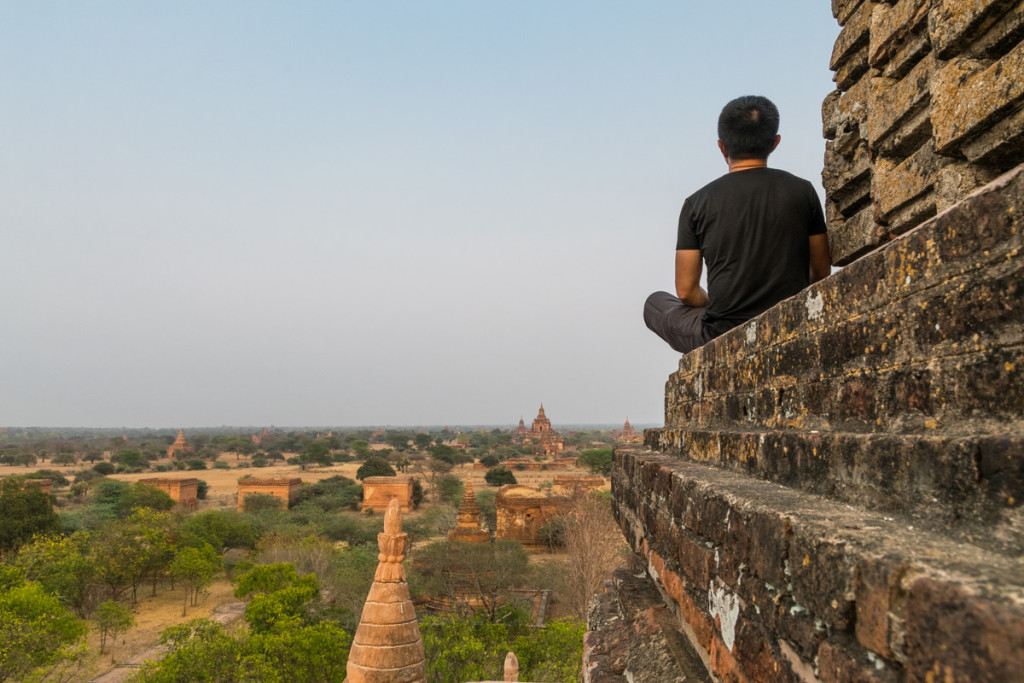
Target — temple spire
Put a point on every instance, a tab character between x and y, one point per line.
467	528
387	646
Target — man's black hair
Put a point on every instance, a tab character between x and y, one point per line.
747	127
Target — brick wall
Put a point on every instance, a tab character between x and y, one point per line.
928	106
379	491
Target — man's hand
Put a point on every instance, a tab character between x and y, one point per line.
821	258
688	269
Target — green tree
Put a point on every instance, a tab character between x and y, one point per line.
37	634
443	453
130	459
450	489
113	618
467	648
222	529
203	652
375	467
598	460
104	468
63	566
25	510
417	493
316	452
500	476
194	568
361	449
64	459
422	441
489	460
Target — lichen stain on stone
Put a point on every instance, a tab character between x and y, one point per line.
815	305
725	606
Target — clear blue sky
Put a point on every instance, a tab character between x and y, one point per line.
364	213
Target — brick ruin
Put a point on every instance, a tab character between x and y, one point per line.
836	494
379	491
183	491
523	511
281	487
586	484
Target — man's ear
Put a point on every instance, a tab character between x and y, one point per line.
725	154
778	139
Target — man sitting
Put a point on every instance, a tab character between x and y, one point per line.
760	230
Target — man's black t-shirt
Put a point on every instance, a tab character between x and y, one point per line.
752	229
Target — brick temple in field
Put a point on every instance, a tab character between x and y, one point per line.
837	492
280	487
183	491
379	491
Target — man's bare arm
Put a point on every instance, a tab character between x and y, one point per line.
821	258
688	269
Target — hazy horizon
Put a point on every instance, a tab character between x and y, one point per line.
365	213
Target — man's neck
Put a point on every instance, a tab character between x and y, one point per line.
746	164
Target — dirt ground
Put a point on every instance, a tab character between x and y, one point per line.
152	615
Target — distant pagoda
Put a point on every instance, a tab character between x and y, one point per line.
179	445
628	434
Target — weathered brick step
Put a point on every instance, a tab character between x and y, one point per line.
772	581
970	487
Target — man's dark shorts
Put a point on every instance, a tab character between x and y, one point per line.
680	325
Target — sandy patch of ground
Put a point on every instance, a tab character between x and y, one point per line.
152	615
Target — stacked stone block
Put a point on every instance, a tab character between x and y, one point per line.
928	106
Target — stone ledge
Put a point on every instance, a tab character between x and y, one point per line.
773	581
971	488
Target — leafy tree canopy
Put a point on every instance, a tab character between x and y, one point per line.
375	467
500	476
36	632
24	510
599	460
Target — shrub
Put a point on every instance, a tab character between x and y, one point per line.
221	465
375	466
202	488
449	489
104	468
489	460
196	464
499	476
598	460
255	502
417	493
58	479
